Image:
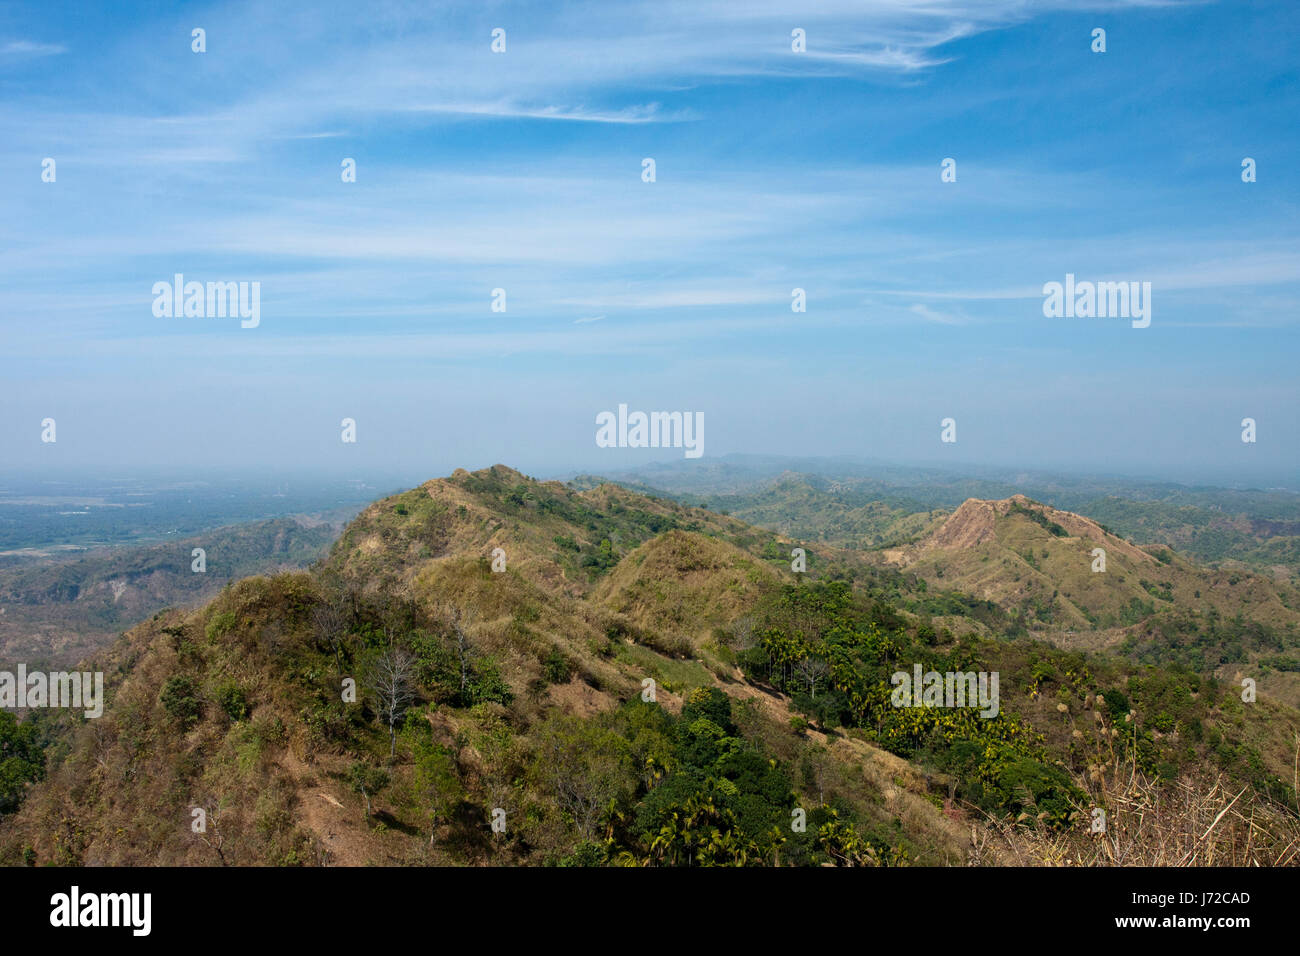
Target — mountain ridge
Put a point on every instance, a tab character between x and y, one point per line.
769	692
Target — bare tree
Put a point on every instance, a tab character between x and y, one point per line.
462	648
216	839
585	768
392	677
812	669
103	735
327	619
743	629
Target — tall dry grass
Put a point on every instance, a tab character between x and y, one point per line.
1198	819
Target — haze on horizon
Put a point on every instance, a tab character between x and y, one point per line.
774	171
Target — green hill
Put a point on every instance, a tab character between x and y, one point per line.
640	684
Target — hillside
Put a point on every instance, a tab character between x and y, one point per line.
518	694
1261	532
686	584
831	512
564	538
1037	562
1030	570
854	504
58	611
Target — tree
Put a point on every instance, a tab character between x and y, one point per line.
327	619
812	670
585	767
436	779
743	631
392	678
842	844
22	760
367	781
180	698
214	840
701	831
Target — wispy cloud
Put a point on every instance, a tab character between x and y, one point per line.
30	48
630	115
930	315
777	171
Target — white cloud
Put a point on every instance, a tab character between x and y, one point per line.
31	48
930	315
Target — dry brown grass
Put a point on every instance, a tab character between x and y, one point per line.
1195	820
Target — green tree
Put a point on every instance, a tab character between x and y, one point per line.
180	698
22	759
437	780
585	768
367	780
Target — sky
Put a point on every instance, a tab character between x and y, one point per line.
522	170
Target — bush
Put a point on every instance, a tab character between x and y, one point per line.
487	684
180	698
711	704
669	645
557	668
587	853
1024	784
233	701
220	624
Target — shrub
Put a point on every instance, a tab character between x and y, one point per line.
487	684
220	624
180	698
233	701
557	668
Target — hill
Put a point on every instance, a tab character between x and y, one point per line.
1040	564
877	504
830	512
639	684
55	612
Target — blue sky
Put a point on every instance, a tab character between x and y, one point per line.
775	170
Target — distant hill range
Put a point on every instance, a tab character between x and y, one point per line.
1186	579
873	505
57	610
1021	553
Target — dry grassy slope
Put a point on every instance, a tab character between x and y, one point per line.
471	513
996	551
687	584
276	791
124	793
275	794
519	622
